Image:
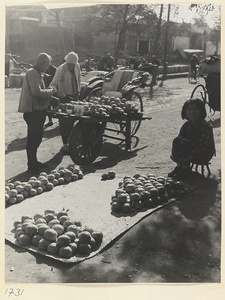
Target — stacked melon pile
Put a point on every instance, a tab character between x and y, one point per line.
18	191
102	107
142	192
57	234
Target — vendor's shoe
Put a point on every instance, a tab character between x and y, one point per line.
41	165
50	123
33	168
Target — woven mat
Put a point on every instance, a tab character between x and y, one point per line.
88	201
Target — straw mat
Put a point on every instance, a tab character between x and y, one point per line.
88	201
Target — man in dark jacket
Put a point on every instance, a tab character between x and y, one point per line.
106	63
194	64
34	102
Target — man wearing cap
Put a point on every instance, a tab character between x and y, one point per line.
194	64
66	84
34	102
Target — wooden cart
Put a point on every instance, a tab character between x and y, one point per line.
87	134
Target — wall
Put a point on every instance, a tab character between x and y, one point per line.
33	39
182	42
104	42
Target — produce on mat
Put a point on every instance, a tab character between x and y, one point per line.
18	191
100	107
64	240
109	175
139	192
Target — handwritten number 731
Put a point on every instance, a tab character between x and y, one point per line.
14	292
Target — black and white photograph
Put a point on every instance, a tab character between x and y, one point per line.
112	135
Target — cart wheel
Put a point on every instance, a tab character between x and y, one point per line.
199	92
85	142
97	92
137	100
133	143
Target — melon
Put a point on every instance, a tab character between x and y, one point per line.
24	239
65	252
43	244
31	229
63	240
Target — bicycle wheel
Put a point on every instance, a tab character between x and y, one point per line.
189	77
97	92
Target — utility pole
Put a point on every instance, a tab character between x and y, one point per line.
166	43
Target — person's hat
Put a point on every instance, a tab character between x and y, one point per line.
71	58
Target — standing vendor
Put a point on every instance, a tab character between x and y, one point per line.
66	82
34	102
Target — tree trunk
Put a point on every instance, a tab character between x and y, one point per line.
122	33
158	31
120	43
166	43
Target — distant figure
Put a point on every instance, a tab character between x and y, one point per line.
106	63
7	63
88	64
194	64
34	102
156	64
48	76
134	62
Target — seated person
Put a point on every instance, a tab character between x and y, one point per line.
195	142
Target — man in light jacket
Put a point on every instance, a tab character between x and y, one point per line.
66	82
34	102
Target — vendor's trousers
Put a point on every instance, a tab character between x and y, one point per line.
65	127
35	122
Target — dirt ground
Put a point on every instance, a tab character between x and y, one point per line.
180	243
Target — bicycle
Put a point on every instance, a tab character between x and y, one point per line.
191	78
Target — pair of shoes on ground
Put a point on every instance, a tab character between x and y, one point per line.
36	166
179	172
50	123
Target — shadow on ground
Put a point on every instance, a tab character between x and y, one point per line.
52	164
20	144
110	156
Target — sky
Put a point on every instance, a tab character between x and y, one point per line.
187	15
182	14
